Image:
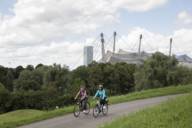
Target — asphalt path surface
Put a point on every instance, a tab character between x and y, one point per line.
88	121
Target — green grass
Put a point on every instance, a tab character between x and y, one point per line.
21	117
27	116
176	113
151	93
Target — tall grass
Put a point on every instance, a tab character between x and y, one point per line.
176	113
171	90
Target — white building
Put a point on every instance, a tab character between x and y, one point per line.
124	56
88	55
184	60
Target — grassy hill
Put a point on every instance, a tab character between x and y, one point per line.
175	113
21	117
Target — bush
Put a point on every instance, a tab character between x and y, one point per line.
4	99
42	100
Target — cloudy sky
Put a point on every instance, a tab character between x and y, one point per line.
55	31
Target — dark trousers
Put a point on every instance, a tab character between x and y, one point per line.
103	101
84	103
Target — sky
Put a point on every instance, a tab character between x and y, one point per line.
55	31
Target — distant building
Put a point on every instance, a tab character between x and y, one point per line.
184	60
88	55
135	58
124	56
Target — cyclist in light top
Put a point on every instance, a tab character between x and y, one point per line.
101	95
82	94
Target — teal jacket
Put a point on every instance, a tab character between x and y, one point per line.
101	94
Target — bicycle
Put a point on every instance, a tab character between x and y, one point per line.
100	108
78	108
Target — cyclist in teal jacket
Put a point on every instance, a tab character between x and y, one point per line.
101	94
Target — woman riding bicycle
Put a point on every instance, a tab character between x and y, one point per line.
101	95
82	94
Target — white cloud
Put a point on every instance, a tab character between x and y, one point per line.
68	53
151	41
37	31
139	5
185	17
40	21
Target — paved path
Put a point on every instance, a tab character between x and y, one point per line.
88	121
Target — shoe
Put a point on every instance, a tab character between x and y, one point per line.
84	111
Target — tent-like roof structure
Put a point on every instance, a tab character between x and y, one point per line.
135	58
125	56
184	58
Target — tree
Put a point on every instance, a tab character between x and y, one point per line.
30	67
4	98
75	86
80	74
18	70
3	73
116	78
182	75
125	77
154	72
39	65
9	79
27	81
58	76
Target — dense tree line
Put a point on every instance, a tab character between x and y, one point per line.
44	87
161	71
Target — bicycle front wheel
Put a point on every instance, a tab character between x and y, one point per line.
96	111
76	110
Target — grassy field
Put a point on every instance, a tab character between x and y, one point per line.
176	113
151	93
26	116
21	117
